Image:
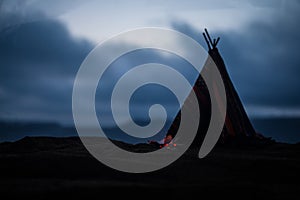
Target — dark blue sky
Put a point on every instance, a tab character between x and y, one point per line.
41	50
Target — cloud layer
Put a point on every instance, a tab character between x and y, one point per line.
39	60
262	59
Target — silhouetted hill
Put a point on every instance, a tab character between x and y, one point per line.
12	131
280	129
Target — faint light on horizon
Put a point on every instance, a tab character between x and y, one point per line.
262	111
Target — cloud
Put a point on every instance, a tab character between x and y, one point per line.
39	61
262	58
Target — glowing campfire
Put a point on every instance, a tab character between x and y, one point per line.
167	142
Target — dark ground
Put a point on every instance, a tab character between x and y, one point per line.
49	168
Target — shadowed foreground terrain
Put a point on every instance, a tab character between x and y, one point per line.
48	168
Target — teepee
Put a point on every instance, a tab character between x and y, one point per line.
237	123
